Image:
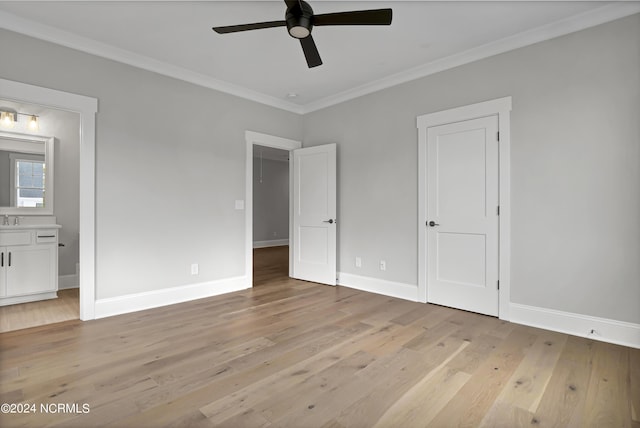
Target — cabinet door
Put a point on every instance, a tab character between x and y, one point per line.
3	270
32	269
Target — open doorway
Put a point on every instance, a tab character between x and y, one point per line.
312	211
86	107
270	256
270	214
39	201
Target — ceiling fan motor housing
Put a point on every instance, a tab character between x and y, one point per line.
299	19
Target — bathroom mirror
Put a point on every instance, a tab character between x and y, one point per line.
26	174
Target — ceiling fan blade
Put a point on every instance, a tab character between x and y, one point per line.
247	27
358	17
310	52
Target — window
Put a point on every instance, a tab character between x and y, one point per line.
29	183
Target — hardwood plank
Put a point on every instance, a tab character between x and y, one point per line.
476	397
529	381
504	414
372	389
564	397
299	376
317	408
475	354
332	378
634	384
195	392
420	403
419	406
248	418
607	402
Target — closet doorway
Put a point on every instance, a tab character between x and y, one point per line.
270	214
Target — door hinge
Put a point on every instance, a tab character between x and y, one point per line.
498	210
498	135
498	284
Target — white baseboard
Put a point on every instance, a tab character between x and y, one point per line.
167	296
379	286
271	243
68	281
606	330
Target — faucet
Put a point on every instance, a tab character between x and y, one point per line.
16	221
5	221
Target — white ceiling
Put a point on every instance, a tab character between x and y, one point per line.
175	38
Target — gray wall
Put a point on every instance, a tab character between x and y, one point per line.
270	200
165	190
575	168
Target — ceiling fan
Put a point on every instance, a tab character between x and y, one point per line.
299	20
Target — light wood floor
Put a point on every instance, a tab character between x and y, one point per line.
289	353
24	315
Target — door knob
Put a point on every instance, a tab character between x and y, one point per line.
330	221
432	224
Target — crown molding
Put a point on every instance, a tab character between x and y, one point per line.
549	31
47	33
572	24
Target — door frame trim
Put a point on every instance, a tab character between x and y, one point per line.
500	107
266	140
86	107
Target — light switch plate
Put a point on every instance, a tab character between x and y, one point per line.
239	204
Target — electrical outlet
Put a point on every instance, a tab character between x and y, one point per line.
194	269
275	234
383	265
358	262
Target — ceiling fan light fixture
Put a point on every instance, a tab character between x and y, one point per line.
299	20
299	32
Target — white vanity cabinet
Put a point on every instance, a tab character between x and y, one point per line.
28	264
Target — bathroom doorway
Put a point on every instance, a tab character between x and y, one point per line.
64	127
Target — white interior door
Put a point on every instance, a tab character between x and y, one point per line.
462	215
314	214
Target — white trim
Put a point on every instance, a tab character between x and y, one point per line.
502	108
167	296
87	108
606	330
399	290
572	24
31	28
68	281
559	28
266	140
270	243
